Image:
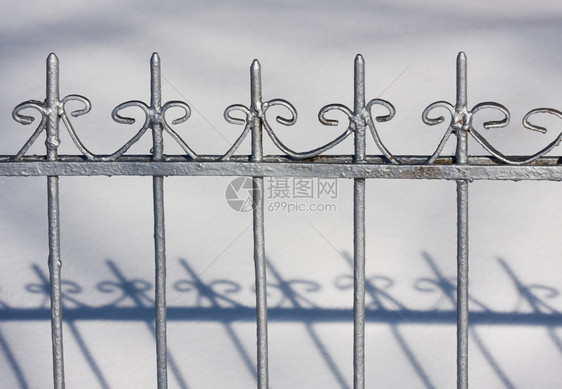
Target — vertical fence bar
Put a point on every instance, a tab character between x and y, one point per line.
462	227
258	221
159	229
359	231
359	284
462	284
52	104
55	280
160	281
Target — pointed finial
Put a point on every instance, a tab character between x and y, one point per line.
155	58
256	108
52	80
461	81
255	84
359	107
52	59
461	109
155	81
359	84
256	65
52	104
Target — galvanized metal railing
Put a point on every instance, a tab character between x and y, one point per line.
462	168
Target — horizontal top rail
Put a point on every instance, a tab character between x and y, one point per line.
477	168
256	122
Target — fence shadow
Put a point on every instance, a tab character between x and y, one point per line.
290	300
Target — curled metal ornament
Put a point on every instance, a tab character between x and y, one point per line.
369	120
254	118
290	122
527	124
52	111
462	119
154	117
26	120
359	119
260	114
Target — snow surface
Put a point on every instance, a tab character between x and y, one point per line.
306	50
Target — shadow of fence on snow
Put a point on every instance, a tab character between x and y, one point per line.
215	301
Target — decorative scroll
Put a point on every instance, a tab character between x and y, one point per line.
462	117
359	118
52	110
461	121
255	120
358	122
155	117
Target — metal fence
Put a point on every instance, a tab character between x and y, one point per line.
254	119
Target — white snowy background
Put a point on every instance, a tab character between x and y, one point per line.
306	51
